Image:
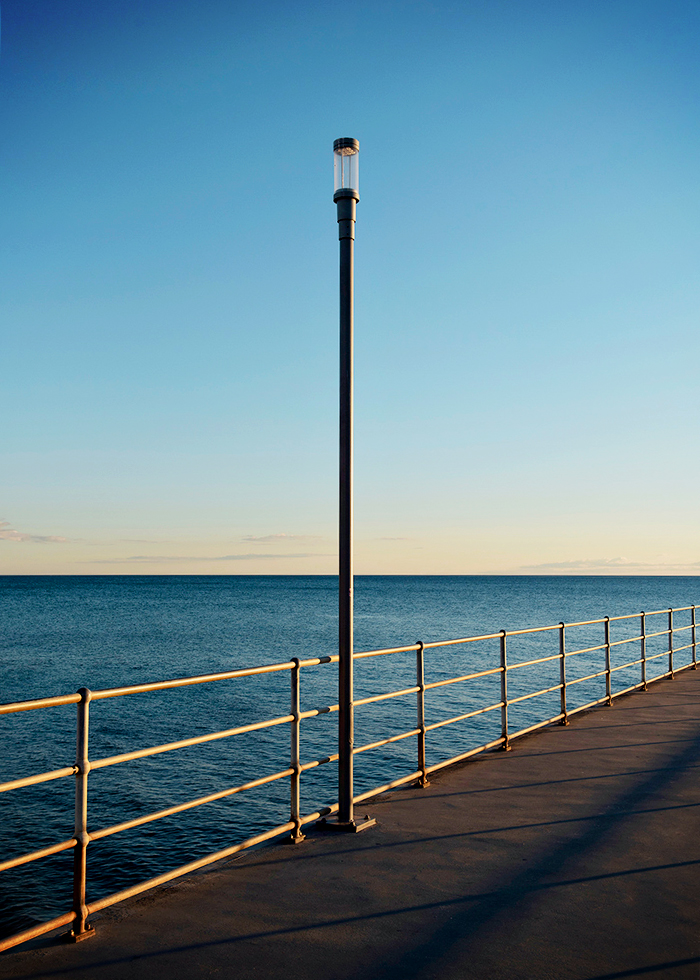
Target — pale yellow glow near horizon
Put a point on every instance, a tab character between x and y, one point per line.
496	550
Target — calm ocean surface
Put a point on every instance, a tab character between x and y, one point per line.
61	633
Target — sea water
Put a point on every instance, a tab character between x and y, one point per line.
58	634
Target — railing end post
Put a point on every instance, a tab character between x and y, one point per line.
420	684
608	672
694	663
643	639
81	928
671	669
562	674
296	835
505	746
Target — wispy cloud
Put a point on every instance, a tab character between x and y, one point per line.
273	538
8	533
602	564
170	559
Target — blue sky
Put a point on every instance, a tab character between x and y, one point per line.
527	285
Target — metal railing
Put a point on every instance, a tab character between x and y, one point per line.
81	909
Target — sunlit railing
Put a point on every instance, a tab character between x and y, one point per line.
78	916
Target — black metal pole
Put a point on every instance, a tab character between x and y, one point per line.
346	232
346	197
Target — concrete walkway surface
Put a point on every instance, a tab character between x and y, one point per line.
573	857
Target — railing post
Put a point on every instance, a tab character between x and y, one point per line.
695	659
296	836
608	684
562	672
81	928
420	684
504	694
644	649
670	642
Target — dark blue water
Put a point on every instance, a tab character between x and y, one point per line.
61	633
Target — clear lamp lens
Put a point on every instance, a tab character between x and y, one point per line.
346	169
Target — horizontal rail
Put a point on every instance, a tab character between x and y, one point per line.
185	743
118	692
573	653
662	612
115	692
386	741
383	789
629	639
36	931
325	811
470	714
181	807
627	690
660	633
184	869
319	762
535	694
462	639
65	845
539	724
688	646
208	678
632	663
596	622
464	755
314	712
588	677
8	709
464	677
533	629
385	697
427	646
588	705
44	777
383	653
531	663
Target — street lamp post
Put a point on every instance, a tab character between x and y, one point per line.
346	195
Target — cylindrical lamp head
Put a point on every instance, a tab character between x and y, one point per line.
346	170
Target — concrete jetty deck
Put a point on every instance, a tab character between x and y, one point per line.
576	855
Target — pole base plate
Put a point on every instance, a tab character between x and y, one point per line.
346	826
77	937
294	839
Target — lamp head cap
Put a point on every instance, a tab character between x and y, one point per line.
346	146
